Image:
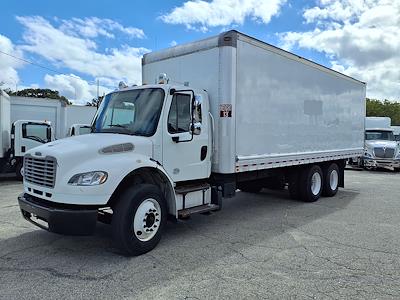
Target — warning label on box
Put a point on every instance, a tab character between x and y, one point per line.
225	110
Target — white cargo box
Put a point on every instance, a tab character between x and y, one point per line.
61	115
271	108
5	123
377	122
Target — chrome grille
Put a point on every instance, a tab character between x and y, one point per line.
382	152
40	171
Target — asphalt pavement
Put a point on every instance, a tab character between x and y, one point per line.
258	246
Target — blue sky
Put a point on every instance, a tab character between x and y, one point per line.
85	41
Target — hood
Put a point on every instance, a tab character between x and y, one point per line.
89	145
381	143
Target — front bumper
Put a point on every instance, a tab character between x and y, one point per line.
381	163
62	219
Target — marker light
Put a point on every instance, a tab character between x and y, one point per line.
162	79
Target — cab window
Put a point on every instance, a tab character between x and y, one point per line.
179	117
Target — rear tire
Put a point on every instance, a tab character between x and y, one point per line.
139	218
311	183
331	180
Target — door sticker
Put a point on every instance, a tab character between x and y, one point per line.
225	110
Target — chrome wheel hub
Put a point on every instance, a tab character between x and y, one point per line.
316	183
333	180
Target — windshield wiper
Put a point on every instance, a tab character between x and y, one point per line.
35	138
117	125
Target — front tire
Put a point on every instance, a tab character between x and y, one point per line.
331	180
311	182
139	219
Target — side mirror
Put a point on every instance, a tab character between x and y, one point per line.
48	133
196	128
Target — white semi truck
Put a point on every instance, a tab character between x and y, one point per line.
17	138
381	150
229	112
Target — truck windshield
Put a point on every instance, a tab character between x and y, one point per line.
379	135
134	112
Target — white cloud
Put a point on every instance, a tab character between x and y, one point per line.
70	46
8	65
361	38
200	15
93	27
173	43
76	89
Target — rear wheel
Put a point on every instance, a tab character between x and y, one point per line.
139	219
311	182
331	180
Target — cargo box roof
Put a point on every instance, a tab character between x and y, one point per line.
230	38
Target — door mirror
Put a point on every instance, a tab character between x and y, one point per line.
48	133
196	128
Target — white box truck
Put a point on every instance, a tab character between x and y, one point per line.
17	138
61	115
229	112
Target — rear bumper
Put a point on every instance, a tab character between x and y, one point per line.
68	220
381	163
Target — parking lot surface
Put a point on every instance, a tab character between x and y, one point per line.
258	246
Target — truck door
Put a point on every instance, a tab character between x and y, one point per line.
186	152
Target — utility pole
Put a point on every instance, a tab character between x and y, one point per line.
97	81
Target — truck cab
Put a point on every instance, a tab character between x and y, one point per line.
381	149
24	136
79	129
154	140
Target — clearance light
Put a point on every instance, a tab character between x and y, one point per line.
162	79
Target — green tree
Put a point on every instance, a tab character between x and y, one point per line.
40	93
95	101
385	108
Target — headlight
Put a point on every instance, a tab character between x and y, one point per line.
89	178
366	154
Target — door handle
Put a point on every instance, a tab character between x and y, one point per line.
203	153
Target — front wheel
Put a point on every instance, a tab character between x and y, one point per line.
139	219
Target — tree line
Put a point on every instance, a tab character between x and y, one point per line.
38	93
48	93
385	108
